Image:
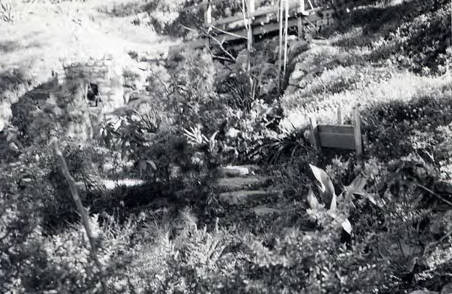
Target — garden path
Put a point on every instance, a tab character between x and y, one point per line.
247	185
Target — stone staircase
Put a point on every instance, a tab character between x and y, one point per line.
246	185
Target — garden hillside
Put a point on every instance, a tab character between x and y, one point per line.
131	162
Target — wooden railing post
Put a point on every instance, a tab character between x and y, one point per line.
339	115
286	34
280	49
207	13
251	6
301	12
251	10
314	135
249	20
301	6
357	132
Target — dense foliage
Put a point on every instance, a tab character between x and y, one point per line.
340	225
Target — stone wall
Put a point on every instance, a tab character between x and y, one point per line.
106	73
61	105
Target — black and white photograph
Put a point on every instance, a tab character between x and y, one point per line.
226	146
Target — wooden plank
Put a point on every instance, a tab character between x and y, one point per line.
257	30
301	8
240	35
314	137
344	129
204	4
339	116
279	20
271	27
249	47
257	13
357	132
251	7
266	19
300	27
337	141
286	32
301	11
208	12
220	32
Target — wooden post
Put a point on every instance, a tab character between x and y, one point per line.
357	132
301	9
249	20
280	14
207	13
339	115
300	26
301	13
249	45
286	32
251	6
251	9
314	135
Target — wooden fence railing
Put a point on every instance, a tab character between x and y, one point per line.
253	19
258	20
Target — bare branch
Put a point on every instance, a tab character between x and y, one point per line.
82	211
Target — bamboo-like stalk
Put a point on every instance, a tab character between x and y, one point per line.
280	43
248	28
286	30
251	8
207	13
81	210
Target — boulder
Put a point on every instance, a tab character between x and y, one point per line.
237	171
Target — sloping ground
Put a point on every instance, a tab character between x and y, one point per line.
403	54
45	36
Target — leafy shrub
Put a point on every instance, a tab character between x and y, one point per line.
410	124
19	221
191	96
413	35
7	11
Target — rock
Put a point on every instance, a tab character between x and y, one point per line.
239	183
263	210
443	187
243	196
295	77
237	171
447	289
5	114
232	133
241	60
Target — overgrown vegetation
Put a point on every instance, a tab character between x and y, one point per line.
341	225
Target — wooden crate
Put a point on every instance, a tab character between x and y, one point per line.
340	136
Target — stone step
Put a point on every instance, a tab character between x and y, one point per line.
241	183
263	210
244	196
237	170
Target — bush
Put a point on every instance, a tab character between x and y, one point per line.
7	11
410	125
